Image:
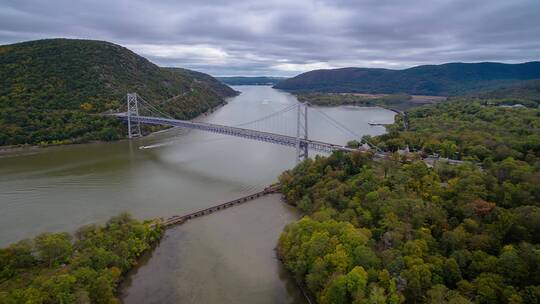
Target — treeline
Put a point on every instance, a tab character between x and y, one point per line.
468	130
26	125
526	93
337	99
82	268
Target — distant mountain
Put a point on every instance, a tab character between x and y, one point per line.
260	80
444	80
50	89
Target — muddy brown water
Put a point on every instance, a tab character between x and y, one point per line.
226	257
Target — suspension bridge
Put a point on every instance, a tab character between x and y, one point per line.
300	141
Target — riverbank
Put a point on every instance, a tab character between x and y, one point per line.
52	268
225	257
19	150
27	149
394	102
154	227
233	263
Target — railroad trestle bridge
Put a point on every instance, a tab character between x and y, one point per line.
180	219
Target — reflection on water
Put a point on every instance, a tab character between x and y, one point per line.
62	188
226	257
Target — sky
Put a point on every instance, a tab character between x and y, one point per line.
288	37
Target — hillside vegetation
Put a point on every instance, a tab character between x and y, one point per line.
468	130
443	80
337	99
526	93
51	89
213	83
84	268
400	232
399	102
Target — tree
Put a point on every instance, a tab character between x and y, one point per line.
336	291
353	144
512	266
489	288
14	257
87	107
357	280
365	257
101	291
60	288
54	248
439	294
448	149
418	277
451	272
377	295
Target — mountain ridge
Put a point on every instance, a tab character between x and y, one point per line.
51	88
251	80
447	79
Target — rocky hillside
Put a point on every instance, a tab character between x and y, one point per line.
51	89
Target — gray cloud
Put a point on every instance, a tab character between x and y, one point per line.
286	37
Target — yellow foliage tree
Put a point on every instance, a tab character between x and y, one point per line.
87	107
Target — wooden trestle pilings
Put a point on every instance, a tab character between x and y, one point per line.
180	219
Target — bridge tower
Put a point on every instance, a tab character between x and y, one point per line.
134	127
302	132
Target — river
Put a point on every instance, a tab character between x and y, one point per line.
226	257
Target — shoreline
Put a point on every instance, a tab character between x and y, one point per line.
402	113
28	149
302	288
126	280
13	151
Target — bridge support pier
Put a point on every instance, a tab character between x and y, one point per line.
302	132
134	127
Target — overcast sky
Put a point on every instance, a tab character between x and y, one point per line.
287	37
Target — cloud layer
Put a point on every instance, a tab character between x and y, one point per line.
286	37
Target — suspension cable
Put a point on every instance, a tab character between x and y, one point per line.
343	127
332	121
282	111
153	107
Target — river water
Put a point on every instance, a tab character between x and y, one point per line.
226	257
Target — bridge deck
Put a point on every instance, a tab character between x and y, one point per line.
274	138
285	140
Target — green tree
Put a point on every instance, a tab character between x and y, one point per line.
54	248
336	291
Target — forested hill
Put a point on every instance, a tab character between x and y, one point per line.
527	93
214	83
50	89
446	80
